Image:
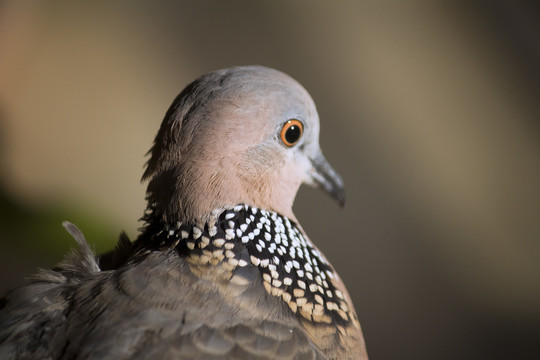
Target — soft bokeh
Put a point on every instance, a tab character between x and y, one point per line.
429	110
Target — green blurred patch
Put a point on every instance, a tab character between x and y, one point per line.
35	233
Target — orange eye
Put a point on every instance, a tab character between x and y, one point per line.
292	132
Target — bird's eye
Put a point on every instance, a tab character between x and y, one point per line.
291	132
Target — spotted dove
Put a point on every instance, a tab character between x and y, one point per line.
221	268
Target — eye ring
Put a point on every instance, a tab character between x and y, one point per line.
291	132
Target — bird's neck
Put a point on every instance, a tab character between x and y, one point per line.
291	267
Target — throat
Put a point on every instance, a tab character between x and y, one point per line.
290	265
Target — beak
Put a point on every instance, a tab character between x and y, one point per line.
325	177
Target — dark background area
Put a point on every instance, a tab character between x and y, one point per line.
429	110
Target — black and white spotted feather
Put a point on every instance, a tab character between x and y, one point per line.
146	306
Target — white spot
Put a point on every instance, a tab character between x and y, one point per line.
229	234
243	227
301	284
229	216
255	260
231	224
184	234
204	242
301	301
287	281
233	261
218	242
242	262
196	233
245	239
330	305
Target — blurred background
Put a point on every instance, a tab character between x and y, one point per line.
429	109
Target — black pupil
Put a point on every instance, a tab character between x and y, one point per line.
292	134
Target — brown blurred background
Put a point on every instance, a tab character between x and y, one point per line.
429	109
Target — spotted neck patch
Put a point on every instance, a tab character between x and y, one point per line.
290	266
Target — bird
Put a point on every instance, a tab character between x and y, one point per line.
221	268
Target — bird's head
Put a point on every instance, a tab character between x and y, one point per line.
245	135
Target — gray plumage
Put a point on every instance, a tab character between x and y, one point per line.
221	268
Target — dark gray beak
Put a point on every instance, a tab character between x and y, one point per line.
324	176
